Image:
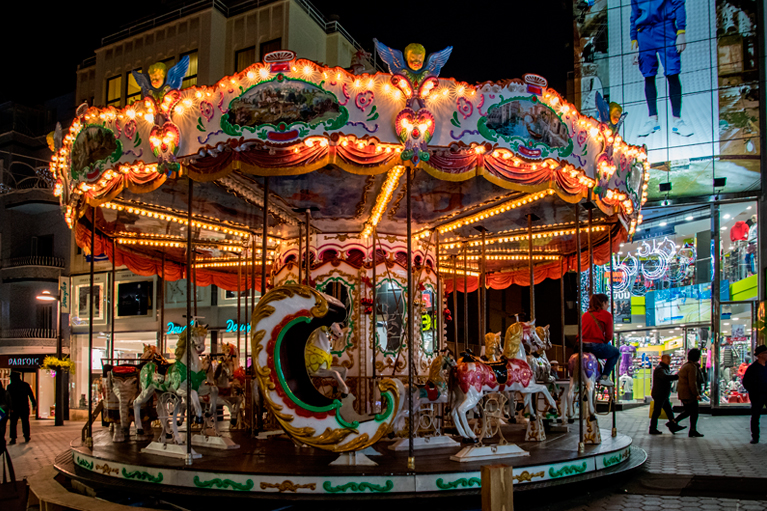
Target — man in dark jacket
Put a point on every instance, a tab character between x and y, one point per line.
661	393
21	394
755	382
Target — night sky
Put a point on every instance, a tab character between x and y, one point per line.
492	40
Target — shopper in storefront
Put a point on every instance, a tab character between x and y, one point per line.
597	324
661	394
755	382
688	390
21	394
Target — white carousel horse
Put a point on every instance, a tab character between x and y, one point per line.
435	391
591	373
229	378
318	357
542	365
474	378
173	383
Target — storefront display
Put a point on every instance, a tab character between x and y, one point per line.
42	381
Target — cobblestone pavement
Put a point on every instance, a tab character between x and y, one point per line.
661	484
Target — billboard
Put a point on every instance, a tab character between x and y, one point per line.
684	73
682	305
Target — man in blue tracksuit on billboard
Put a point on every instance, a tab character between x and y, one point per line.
658	31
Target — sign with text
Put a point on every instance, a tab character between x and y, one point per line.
21	361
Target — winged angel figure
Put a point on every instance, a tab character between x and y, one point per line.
157	81
411	64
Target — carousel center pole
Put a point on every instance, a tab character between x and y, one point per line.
465	298
612	313
591	255
410	309
581	445
89	438
308	250
455	303
438	305
189	322
530	265
112	307
562	308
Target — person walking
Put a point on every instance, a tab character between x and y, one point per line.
21	394
597	323
755	382
661	393
688	391
5	412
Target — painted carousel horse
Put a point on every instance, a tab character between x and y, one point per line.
434	391
542	365
474	378
123	382
591	373
318	357
172	385
229	378
493	350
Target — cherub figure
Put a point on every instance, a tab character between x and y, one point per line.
159	80
411	65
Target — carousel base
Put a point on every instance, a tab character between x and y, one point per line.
166	450
214	442
277	466
488	452
425	442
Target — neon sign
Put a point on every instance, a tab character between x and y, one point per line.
174	329
231	326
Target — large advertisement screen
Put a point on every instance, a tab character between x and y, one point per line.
682	305
684	75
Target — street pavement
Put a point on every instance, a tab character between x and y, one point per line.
721	471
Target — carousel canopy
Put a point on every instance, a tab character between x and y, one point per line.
339	144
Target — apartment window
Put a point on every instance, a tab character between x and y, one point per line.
133	92
114	91
270	46
244	58
190	78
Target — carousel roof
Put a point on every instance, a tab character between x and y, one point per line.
339	144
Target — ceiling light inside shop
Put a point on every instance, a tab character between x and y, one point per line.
726	216
724	227
688	218
748	207
663	224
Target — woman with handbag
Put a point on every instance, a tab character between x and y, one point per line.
597	324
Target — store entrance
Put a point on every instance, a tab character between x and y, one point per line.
735	352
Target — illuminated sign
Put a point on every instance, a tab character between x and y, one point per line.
231	326
21	361
174	329
426	323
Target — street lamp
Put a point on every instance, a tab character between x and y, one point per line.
46	296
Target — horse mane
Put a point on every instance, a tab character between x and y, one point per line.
197	331
513	340
435	370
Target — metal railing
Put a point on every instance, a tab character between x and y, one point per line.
29	333
50	261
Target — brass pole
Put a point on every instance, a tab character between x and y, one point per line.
112	306
189	322
455	303
591	256
89	438
483	291
239	302
410	312
161	299
581	445
308	248
531	266
438	308
375	307
465	298
612	313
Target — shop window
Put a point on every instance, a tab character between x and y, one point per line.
739	250
270	46
244	58
133	92
190	78
114	91
135	298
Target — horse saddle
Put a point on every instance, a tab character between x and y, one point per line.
500	369
467	356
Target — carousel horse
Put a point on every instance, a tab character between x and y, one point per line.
318	357
229	378
542	365
591	373
434	391
474	378
172	385
493	349
123	382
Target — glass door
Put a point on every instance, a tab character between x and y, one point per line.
735	348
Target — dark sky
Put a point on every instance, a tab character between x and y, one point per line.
492	40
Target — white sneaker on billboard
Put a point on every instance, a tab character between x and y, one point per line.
680	128
649	127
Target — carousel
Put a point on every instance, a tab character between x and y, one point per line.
347	212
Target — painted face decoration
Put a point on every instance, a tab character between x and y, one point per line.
415	54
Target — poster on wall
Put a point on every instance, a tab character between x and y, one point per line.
684	73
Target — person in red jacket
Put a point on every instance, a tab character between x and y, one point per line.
597	325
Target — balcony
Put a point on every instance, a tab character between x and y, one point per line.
28	333
46	261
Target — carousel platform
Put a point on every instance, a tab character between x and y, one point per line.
276	466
